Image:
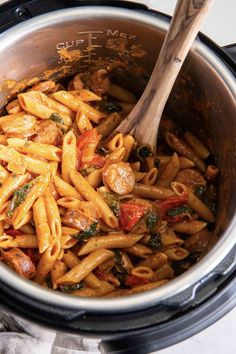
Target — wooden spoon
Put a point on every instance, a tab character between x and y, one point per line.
146	115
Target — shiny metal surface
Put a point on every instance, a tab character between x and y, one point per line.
203	98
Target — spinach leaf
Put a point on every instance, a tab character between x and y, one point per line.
18	197
113	202
155	241
67	288
109	106
151	220
119	270
56	118
143	152
183	209
92	230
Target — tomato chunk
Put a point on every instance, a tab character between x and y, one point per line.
13	232
87	144
130	214
173	202
133	280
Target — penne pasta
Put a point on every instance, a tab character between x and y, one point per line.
169	173
85	267
106	127
44	107
69	156
121	94
38	188
152	192
48	152
198	147
65	189
193	201
184	150
115	240
189	227
75	104
41	224
22	241
82	121
90	194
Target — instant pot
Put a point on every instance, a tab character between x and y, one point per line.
33	35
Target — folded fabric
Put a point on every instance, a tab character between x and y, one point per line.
18	336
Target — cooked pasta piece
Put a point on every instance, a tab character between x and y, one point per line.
189	227
184	150
115	240
169	173
46	262
41	224
74	103
38	188
109	124
48	152
21	241
85	267
69	156
193	201
65	189
199	148
152	192
90	194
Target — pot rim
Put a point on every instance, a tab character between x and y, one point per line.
182	282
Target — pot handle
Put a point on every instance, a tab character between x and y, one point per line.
230	50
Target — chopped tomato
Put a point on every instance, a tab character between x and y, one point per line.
133	280
87	143
12	232
176	218
88	137
173	202
98	161
130	214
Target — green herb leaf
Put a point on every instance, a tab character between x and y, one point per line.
113	202
56	118
67	288
119	270
92	230
151	220
155	241
183	209
143	152
109	106
18	197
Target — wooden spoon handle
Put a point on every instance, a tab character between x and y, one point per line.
184	27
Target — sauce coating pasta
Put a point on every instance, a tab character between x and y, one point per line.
95	216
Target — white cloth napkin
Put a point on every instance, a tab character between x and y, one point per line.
18	336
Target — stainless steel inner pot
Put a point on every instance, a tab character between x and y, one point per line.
203	99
